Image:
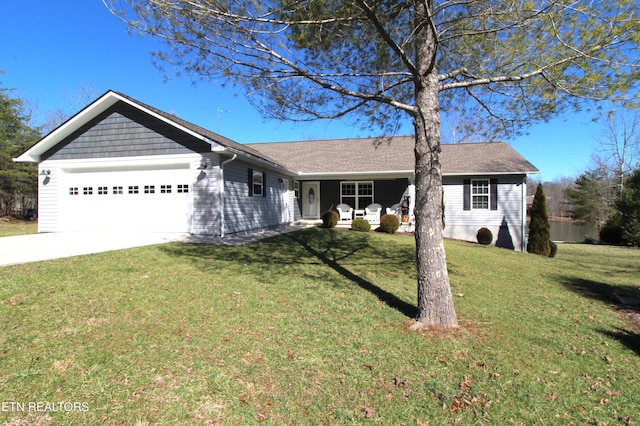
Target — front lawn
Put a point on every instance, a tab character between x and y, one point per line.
10	226
312	328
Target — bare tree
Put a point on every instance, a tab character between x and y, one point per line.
619	145
82	97
510	62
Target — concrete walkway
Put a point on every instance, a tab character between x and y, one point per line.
38	247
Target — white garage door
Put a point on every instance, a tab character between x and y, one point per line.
156	200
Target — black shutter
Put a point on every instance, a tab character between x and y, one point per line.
250	180
264	184
467	194
493	191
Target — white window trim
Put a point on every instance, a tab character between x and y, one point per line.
257	173
484	182
356	195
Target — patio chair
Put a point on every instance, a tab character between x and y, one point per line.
345	211
394	209
372	213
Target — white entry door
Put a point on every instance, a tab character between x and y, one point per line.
311	200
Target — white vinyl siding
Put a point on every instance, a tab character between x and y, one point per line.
464	224
243	212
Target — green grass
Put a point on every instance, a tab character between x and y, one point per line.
312	328
10	227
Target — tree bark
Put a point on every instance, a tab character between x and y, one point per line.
435	302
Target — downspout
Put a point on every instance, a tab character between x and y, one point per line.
221	192
523	238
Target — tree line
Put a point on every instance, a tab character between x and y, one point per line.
607	195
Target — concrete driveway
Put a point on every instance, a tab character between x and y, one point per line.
38	247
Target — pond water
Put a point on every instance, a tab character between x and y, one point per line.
571	232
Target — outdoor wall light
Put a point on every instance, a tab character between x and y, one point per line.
45	172
203	165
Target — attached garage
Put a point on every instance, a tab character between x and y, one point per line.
120	165
138	200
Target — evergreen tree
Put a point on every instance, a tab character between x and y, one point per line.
539	237
593	197
628	206
17	180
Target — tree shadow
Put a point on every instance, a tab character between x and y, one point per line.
332	250
623	298
315	246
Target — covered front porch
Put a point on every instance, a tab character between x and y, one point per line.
353	198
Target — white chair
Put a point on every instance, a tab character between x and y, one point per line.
372	213
394	209
345	211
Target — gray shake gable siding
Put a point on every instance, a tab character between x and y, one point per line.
117	141
124	131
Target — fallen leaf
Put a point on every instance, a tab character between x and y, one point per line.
552	396
604	401
11	302
291	354
368	365
613	393
399	383
369	412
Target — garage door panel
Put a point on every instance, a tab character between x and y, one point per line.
148	200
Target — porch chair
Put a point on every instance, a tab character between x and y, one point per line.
345	211
394	209
372	213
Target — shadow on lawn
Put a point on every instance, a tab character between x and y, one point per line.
333	249
317	246
622	298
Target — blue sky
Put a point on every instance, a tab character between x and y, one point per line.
52	49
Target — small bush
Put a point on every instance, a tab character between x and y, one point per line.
360	224
554	249
330	219
389	223
484	236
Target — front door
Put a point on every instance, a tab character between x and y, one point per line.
311	200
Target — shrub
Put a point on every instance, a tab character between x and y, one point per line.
539	237
360	224
330	219
484	236
554	249
611	231
389	223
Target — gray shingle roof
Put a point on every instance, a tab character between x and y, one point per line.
391	154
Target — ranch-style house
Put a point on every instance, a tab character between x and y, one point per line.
122	165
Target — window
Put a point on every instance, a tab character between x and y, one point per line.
73	190
183	189
149	189
480	194
103	190
296	189
357	194
87	190
257	183
116	190
165	189
133	189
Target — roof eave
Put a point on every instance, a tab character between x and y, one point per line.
107	100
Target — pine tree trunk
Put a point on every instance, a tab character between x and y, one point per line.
435	302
